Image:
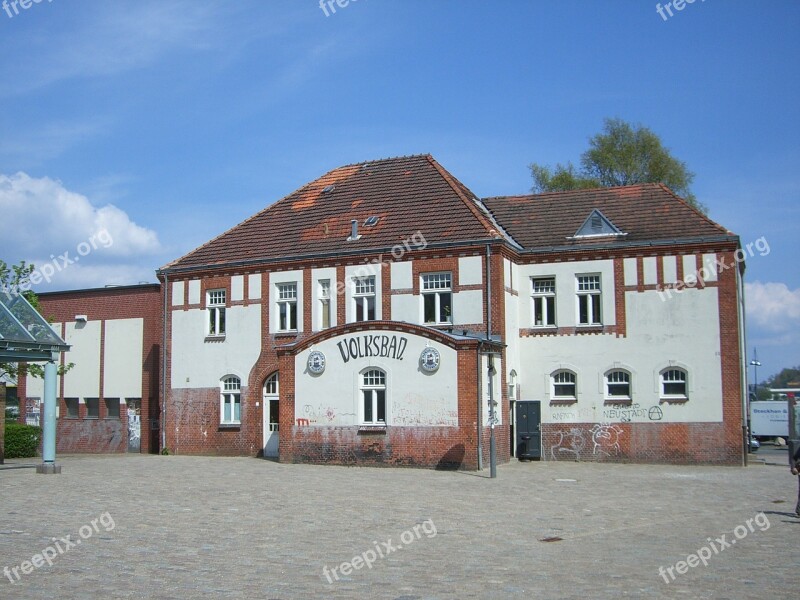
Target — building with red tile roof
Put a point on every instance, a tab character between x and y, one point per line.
384	314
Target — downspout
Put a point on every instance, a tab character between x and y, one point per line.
164	368
740	306
479	364
488	291
479	370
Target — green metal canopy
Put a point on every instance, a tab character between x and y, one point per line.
24	334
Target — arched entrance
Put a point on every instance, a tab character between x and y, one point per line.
270	398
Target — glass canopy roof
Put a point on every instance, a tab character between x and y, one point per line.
24	334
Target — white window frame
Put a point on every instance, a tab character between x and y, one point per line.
365	288
325	304
437	285
540	295
216	300
230	394
373	381
589	289
286	294
562	377
617	377
667	376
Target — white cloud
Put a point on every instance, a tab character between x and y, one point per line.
42	220
32	145
107	41
772	306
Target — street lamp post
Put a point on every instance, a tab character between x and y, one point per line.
755	364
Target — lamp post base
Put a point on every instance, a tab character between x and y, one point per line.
48	469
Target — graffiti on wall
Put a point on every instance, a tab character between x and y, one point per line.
612	413
325	415
574	444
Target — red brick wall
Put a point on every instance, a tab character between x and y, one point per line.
670	443
193	424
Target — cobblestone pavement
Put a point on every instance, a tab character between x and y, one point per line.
192	527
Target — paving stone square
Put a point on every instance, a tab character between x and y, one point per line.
191	527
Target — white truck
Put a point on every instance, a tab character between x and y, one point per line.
769	418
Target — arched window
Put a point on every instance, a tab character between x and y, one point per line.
271	400
674	384
512	385
564	385
230	400
618	385
373	397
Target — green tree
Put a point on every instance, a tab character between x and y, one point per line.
787	378
16	280
622	154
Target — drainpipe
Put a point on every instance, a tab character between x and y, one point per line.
480	406
740	304
480	370
488	291
164	367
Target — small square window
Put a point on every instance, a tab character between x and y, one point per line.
73	410
92	408
112	408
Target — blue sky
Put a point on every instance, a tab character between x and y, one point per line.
167	122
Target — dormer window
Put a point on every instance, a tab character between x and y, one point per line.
597	225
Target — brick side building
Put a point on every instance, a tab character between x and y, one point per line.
109	401
383	314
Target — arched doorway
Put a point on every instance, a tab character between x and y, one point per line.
270	398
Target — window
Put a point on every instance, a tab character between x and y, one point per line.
325	303
589	300
287	307
230	401
544	301
618	385
512	385
112	408
271	400
215	304
437	297
73	412
564	385
673	384
373	394
364	298
92	408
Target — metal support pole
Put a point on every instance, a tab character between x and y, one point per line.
49	424
492	419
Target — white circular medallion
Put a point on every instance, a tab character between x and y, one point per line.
429	359
316	362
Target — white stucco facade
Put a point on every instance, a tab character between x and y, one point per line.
414	397
201	363
122	360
